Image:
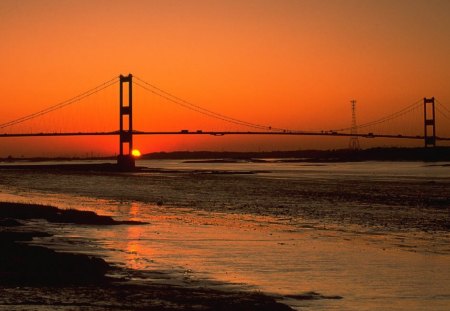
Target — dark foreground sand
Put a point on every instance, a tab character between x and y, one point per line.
39	278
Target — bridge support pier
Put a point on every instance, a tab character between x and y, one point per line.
125	160
429	134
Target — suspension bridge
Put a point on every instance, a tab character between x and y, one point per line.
429	109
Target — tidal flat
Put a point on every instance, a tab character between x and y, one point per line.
374	234
39	278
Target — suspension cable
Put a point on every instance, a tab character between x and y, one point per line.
62	104
186	104
390	117
442	112
443	106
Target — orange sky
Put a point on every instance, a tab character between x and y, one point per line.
289	64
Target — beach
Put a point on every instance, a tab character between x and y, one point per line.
345	236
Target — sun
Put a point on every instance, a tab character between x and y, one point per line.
135	153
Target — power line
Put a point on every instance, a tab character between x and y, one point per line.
62	104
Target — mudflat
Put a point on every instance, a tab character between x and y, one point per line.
39	277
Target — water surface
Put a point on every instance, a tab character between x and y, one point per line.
375	233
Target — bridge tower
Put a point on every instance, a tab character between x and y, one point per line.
125	160
354	142
429	122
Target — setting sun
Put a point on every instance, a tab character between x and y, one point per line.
281	140
136	153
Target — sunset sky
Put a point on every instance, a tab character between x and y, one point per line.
286	64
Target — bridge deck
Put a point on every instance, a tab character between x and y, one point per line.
222	133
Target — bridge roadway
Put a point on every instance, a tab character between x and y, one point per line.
223	133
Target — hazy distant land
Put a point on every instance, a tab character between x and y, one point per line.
337	155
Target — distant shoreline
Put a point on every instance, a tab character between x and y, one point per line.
338	155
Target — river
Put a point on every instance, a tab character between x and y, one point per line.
374	233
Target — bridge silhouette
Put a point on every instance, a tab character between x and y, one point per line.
430	108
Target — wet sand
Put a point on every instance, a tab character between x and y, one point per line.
40	278
375	234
